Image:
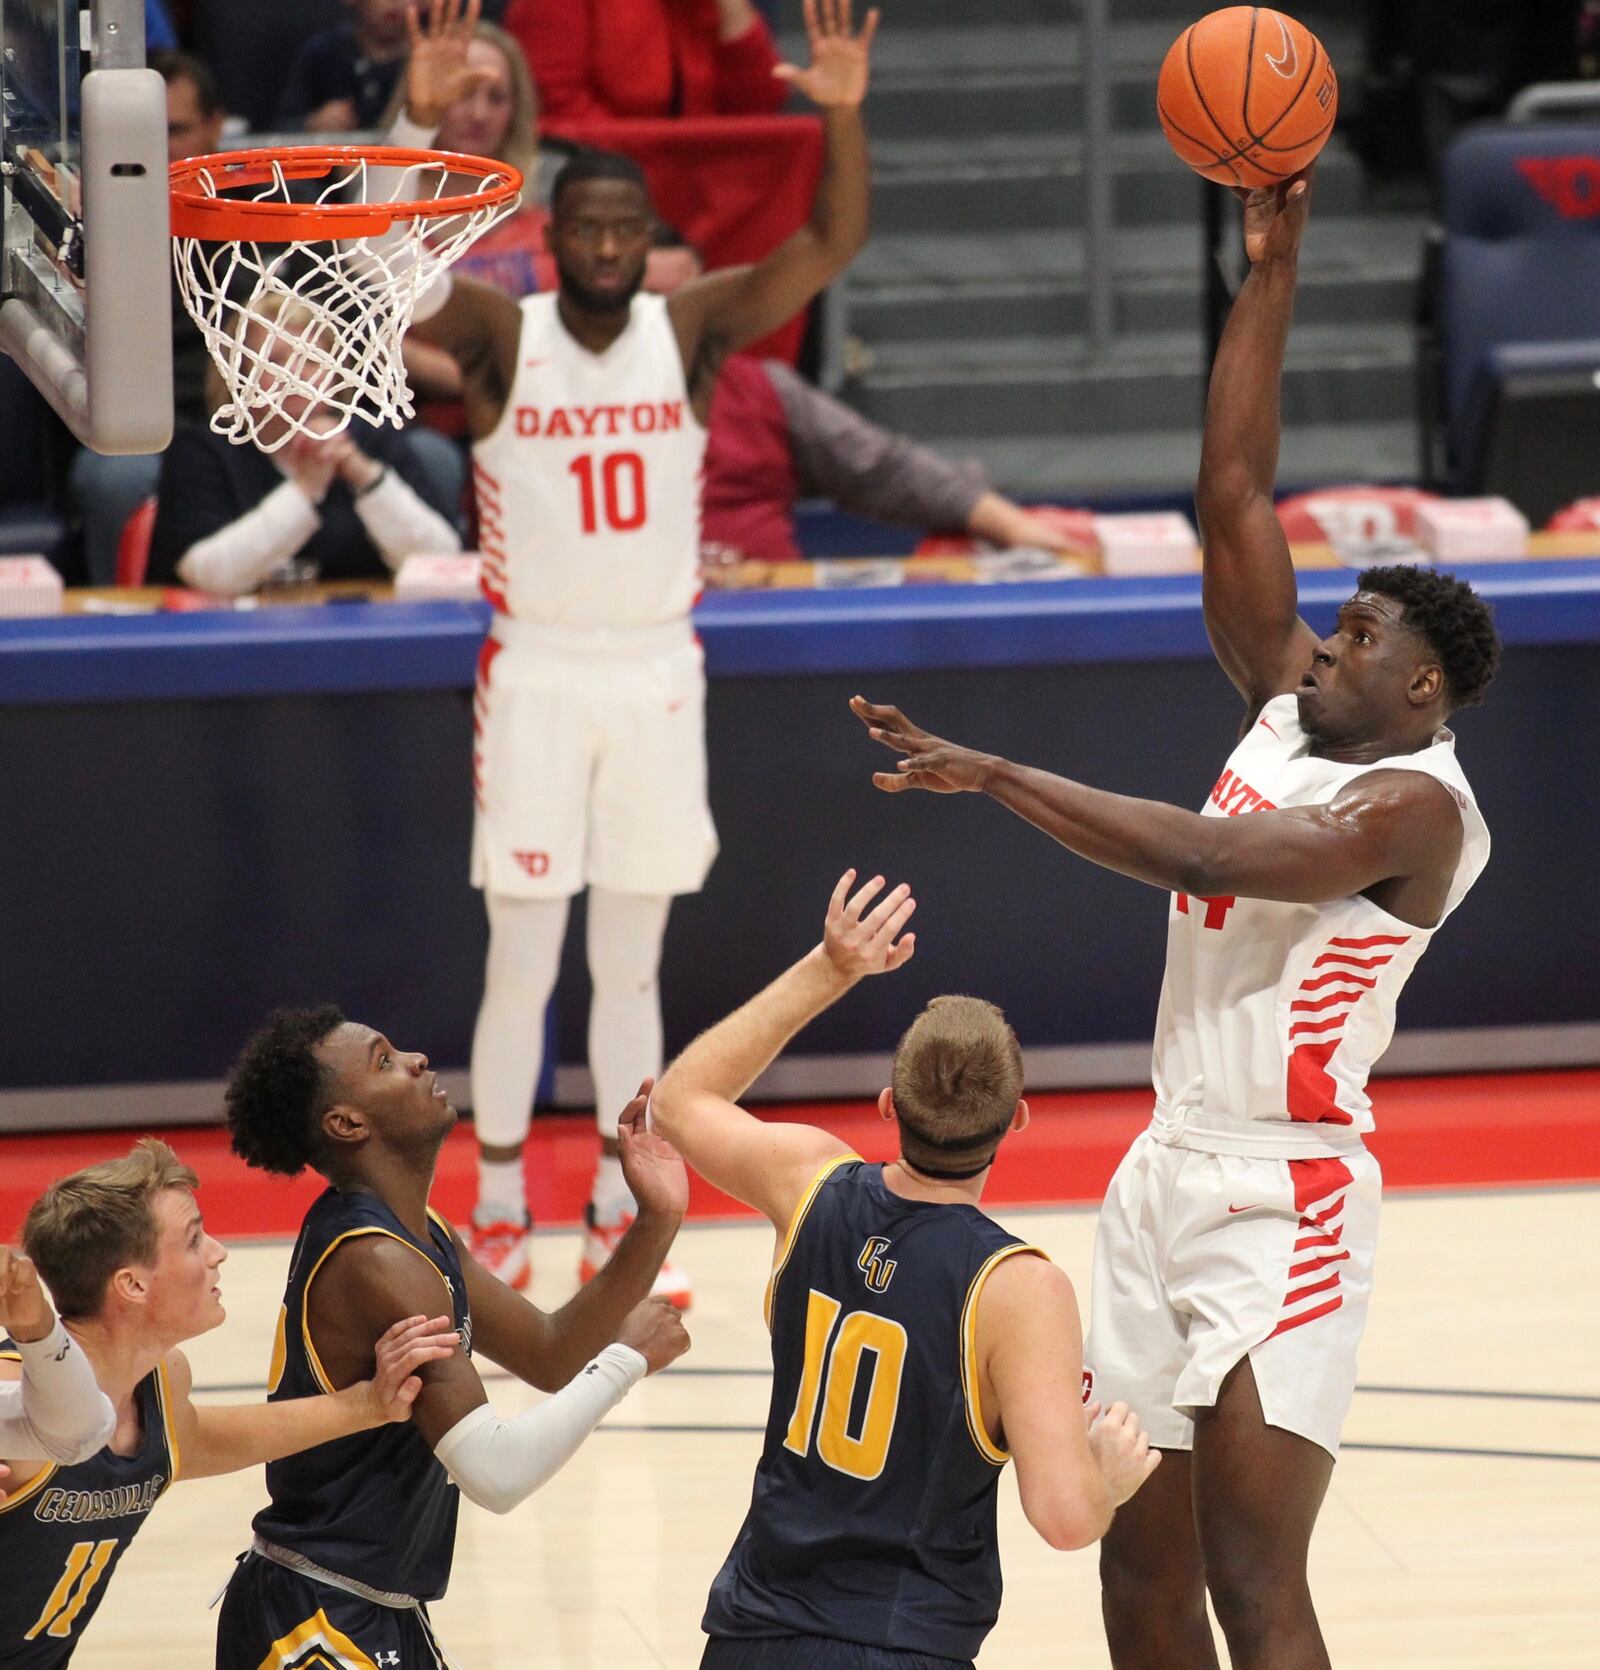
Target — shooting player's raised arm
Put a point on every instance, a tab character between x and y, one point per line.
1251	606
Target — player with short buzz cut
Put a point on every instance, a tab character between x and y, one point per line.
134	1274
1233	1261
358	1537
587	407
916	1345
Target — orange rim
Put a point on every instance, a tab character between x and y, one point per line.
197	212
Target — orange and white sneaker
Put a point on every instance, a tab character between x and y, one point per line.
600	1241
501	1247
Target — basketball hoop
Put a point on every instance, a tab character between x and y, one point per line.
303	304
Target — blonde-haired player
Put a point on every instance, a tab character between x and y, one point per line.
134	1274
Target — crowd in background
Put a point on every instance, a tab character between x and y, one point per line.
776	438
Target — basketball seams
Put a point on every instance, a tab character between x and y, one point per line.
1199	93
1217	158
1249	75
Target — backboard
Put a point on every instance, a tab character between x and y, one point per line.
85	265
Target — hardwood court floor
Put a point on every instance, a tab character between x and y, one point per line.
1462	1530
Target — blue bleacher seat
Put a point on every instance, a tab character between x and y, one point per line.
1517	271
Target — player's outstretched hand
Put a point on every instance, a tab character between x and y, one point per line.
653	1168
1121	1449
926	761
25	1313
858	941
402	1350
1275	218
656	1331
840	58
437	73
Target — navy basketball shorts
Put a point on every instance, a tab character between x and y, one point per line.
814	1652
277	1619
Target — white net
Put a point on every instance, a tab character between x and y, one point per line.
307	334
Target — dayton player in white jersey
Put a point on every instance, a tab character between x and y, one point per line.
1234	1255
587	410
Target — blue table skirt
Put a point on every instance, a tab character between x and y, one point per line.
356	647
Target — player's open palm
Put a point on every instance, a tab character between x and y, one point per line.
401	1351
840	58
655	1330
1121	1449
1275	219
859	941
437	72
25	1313
652	1167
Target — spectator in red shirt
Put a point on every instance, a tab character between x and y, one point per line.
775	438
598	59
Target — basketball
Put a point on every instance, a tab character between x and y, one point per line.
1247	96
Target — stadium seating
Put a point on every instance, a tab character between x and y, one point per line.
1517	294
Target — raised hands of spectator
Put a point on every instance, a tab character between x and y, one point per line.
437	73
838	76
336	116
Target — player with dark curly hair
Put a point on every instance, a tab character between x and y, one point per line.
1233	1260
358	1535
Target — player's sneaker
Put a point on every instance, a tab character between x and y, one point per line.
501	1247
600	1241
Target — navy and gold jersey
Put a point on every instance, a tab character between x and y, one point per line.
873	1514
377	1506
62	1533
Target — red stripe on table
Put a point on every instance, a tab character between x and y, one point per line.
1305	1316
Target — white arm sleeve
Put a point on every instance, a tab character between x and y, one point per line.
237	558
401	525
500	1463
57	1413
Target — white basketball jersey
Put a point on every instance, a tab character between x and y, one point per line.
589	488
1272	1013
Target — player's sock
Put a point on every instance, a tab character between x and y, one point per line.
611	1197
624	946
508	1044
502	1195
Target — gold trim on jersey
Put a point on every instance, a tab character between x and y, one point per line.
316	1631
786	1246
37	1482
164	1398
305	1297
979	1433
17	1497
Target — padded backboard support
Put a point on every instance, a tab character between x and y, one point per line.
86	274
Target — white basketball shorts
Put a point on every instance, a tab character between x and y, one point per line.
589	762
1202	1259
